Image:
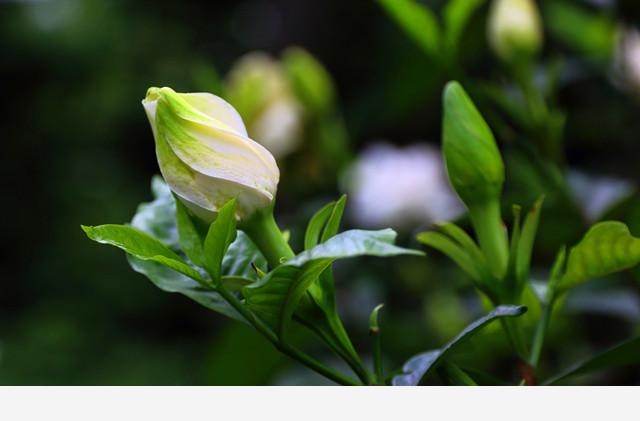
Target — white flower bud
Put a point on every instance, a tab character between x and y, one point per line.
514	29
205	155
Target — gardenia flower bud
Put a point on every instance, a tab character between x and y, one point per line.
514	29
473	160
205	155
476	172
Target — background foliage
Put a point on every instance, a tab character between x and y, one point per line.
78	149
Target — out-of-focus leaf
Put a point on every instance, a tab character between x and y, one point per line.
454	251
374	325
606	248
623	354
171	281
221	234
589	33
310	80
417	21
141	245
419	366
525	244
456	14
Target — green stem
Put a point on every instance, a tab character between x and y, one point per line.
355	364
377	356
264	232
540	333
492	235
291	351
515	335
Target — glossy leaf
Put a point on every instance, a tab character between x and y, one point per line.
606	248
421	365
243	258
276	296
158	217
623	354
141	245
354	243
221	234
417	21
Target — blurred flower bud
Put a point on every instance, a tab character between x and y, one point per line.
205	155
473	160
400	187
627	61
259	88
310	81
514	30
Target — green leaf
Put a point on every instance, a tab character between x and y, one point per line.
221	234
417	21
243	258
456	14
333	223
606	248
592	34
141	245
421	365
235	283
453	250
515	240
325	223
316	224
188	235
322	226
354	243
525	244
158	218
276	296
623	354
171	281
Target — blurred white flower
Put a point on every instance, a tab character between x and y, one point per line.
627	60
400	187
259	88
596	194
